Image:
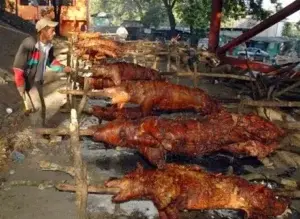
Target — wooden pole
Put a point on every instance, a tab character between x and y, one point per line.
112	191
195	81
91	189
267	103
99	93
212	75
63	131
84	99
168	58
80	168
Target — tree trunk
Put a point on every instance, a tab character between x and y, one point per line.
169	8
171	20
192	30
57	9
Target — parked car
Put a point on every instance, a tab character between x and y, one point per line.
254	54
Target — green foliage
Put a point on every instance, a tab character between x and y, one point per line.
150	12
194	12
197	12
291	30
154	16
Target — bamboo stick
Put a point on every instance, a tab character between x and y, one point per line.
80	168
212	75
91	189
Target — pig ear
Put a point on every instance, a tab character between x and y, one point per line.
140	168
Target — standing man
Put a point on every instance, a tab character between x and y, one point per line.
29	67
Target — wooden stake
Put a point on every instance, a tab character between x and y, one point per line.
289	194
80	168
99	93
63	131
168	59
85	97
195	74
112	191
91	189
266	103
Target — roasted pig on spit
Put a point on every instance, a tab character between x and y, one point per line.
113	112
95	43
176	188
85	36
111	74
100	51
161	95
122	71
248	135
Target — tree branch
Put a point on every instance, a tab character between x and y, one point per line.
173	3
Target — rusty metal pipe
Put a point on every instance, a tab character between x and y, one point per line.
215	24
282	14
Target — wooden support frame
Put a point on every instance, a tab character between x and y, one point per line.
79	168
84	99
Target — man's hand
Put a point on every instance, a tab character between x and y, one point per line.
67	69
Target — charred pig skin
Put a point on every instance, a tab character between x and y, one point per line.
176	188
123	71
248	135
162	95
113	112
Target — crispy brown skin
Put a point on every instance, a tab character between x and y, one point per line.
153	136
113	112
114	45
122	71
162	95
176	188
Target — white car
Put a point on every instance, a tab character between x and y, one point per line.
254	54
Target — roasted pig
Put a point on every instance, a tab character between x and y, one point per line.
113	112
162	95
111	74
92	52
176	188
122	71
248	135
95	43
